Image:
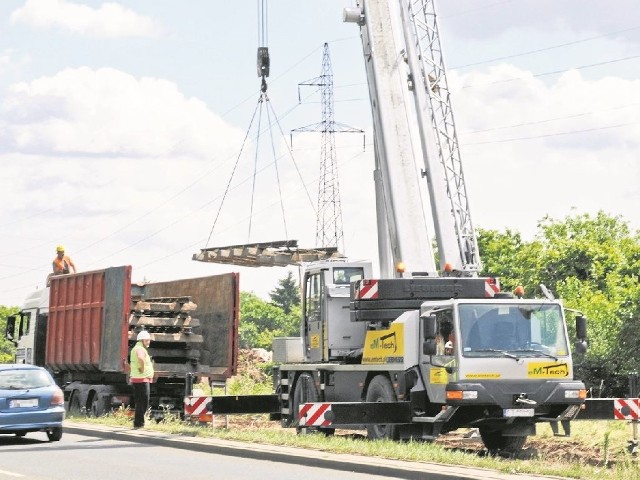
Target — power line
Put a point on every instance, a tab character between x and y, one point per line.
185	189
538	122
166	227
545	49
312	52
556	72
473	10
558	134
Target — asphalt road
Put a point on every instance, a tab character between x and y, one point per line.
281	461
89	457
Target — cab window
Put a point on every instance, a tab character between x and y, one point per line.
312	300
445	341
346	275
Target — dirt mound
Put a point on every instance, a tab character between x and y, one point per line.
551	449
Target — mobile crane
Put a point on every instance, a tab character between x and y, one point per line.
416	353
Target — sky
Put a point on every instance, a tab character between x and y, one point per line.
126	129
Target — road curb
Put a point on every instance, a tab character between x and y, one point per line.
300	456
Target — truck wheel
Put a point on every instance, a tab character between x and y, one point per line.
305	392
97	407
74	406
495	441
381	390
54	434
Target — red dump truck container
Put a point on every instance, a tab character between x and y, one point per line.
93	318
89	321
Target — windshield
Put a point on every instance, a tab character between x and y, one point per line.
526	329
23	379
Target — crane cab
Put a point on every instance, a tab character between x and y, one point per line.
327	331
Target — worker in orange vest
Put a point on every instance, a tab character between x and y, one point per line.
63	263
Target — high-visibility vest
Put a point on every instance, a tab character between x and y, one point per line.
61	265
136	372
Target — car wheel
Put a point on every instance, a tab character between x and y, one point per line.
20	434
54	434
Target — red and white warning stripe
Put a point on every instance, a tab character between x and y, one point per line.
626	408
491	288
313	414
195	405
367	289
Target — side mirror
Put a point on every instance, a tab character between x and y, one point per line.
11	329
429	347
581	334
581	327
581	346
429	327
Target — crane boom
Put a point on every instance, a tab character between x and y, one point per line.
402	232
407	82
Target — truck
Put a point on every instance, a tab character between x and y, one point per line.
82	326
422	349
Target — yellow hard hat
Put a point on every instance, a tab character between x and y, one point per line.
59	248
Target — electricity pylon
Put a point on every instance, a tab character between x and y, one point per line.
329	231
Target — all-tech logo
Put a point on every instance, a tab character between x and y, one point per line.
384	346
547	370
438	376
385	342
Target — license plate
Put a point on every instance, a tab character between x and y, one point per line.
23	403
517	412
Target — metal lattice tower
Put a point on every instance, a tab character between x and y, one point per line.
423	37
329	231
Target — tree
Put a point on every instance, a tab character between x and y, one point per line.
507	256
593	264
287	294
261	321
7	349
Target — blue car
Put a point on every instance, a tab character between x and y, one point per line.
30	401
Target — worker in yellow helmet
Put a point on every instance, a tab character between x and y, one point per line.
62	263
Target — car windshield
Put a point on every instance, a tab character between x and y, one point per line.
23	379
535	330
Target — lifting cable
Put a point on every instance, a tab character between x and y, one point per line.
235	166
263	67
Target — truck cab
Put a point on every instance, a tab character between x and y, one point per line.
27	329
511	353
504	362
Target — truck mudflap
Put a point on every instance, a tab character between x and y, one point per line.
324	414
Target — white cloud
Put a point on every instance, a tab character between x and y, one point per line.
5	60
11	61
541	148
105	111
545	16
109	20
